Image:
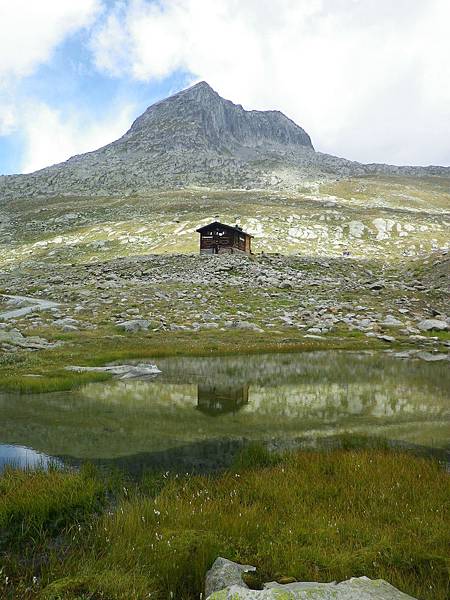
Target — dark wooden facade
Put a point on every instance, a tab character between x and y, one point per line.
217	238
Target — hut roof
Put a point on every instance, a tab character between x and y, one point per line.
218	224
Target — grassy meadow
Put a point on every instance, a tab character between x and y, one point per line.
308	515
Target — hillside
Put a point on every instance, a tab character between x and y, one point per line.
346	255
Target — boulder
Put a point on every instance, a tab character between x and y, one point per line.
134	325
67	324
225	573
224	582
139	371
175	327
315	330
14	339
391	321
386	338
430	324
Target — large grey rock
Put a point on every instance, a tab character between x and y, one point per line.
67	324
134	325
24	305
356	588
139	371
430	324
225	573
224	582
14	339
391	321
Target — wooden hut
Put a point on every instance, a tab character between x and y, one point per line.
217	238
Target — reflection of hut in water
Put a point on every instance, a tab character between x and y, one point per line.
220	399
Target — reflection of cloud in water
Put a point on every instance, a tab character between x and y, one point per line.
22	457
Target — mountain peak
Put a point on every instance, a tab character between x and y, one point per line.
199	91
197	118
201	85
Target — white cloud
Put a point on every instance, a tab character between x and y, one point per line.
29	33
8	117
52	136
30	30
368	79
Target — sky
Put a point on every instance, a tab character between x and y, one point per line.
367	79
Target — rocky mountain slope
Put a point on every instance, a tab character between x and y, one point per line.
197	138
345	256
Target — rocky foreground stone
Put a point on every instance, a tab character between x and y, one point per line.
224	581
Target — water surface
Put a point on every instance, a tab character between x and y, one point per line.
199	411
24	458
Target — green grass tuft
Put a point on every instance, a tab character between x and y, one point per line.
37	504
311	516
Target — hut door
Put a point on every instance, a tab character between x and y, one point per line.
216	240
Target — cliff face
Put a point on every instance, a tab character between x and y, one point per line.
199	118
196	137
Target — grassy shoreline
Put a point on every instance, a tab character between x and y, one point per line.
309	515
44	371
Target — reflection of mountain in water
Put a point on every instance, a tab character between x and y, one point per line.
302	400
252	397
331	401
218	399
312	367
